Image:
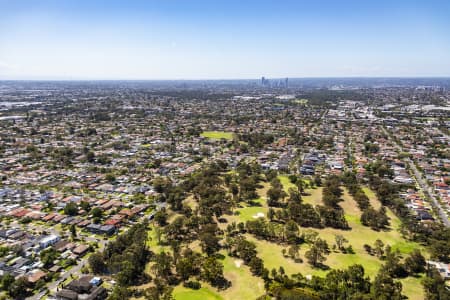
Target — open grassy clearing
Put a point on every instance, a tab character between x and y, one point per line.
190	201
273	258
246	286
313	196
152	241
204	293
284	179
217	135
372	197
412	287
357	237
243	284
247	212
300	101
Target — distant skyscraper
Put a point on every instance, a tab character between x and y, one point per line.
265	82
286	82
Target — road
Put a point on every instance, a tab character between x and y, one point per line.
75	270
427	190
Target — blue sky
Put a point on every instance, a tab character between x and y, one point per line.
193	39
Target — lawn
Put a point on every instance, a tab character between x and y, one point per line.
284	179
217	135
372	197
246	286
313	196
412	287
300	101
152	241
247	213
357	237
204	293
243	284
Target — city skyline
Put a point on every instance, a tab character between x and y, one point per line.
156	40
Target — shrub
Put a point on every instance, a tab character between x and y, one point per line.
195	285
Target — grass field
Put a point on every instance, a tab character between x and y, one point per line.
205	293
284	179
357	237
246	286
247	213
314	196
217	135
152	242
300	101
243	285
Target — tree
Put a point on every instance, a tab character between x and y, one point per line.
188	265
317	180
294	196
304	214
85	206
378	248
97	263
385	288
340	241
256	265
293	178
331	193
244	249
6	281
47	257
291	232
73	231
110	178
19	288
90	156
393	267
271	214
71	209
161	291
163	264
212	272
316	254
274	195
300	186
293	251
161	217
435	287
440	250
119	293
375	219
209	242
96	212
346	284
126	274
415	262
332	217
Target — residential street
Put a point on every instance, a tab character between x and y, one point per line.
75	270
425	187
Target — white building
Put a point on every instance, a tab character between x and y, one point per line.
48	241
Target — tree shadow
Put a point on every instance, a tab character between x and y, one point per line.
253	203
219	256
321	266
